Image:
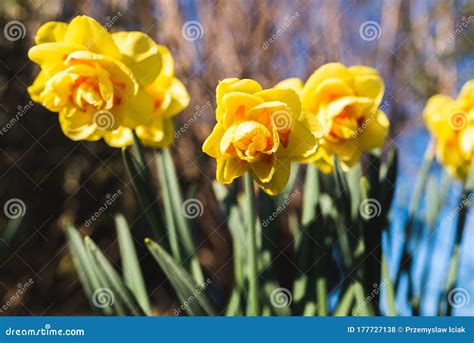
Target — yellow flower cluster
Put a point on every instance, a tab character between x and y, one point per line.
258	131
262	131
341	107
451	122
103	85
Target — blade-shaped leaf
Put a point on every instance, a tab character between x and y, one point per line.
131	268
187	290
125	301
81	260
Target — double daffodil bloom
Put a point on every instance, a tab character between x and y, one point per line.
345	103
258	131
103	85
451	122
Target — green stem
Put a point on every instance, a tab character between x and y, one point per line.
405	264
254	299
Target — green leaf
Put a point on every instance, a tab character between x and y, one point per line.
131	268
187	290
142	187
83	264
171	187
389	289
125	301
347	300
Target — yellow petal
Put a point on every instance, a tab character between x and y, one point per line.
179	99
279	179
38	85
231	103
140	53
137	109
51	32
77	124
325	72
52	55
368	83
158	135
437	113
293	83
229	169
234	85
466	95
287	96
119	72
212	144
373	132
302	144
89	33
119	138
264	169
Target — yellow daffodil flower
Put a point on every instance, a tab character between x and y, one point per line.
451	122
258	131
103	85
345	103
